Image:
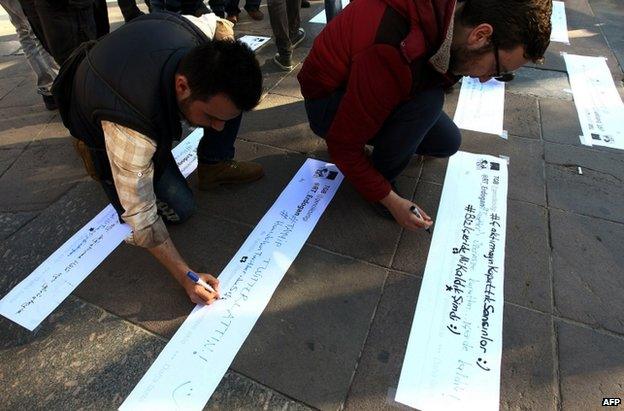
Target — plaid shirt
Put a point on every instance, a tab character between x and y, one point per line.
130	155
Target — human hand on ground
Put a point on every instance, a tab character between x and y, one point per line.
400	208
198	294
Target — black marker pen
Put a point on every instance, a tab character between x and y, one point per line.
415	211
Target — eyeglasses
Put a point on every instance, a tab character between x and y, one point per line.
504	77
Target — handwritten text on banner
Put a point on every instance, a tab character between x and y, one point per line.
454	350
192	364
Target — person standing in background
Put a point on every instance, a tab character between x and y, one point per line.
285	23
38	58
61	25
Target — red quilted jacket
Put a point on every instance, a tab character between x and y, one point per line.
377	51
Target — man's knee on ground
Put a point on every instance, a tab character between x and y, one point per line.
175	214
452	143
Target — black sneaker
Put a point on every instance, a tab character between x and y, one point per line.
49	102
299	37
284	63
305	4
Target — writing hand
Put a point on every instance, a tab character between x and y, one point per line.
399	207
198	294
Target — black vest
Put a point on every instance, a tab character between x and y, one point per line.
128	78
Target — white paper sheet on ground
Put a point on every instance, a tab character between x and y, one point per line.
255	42
598	104
35	297
192	364
481	106
454	351
559	23
321	18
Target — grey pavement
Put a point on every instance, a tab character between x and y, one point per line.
334	334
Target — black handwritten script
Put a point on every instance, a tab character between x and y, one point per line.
461	268
70	258
253	264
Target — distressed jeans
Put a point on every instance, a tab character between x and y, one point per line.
40	61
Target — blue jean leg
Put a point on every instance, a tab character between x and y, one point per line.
216	145
174	198
416	126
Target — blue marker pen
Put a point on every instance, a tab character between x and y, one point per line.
195	278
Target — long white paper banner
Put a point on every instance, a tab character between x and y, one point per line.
598	104
454	350
35	297
481	106
559	23
192	364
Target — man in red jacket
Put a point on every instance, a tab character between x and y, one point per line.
377	71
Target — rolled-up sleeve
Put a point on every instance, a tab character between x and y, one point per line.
130	155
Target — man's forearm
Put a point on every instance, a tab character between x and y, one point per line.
167	254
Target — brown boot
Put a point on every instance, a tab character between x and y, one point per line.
255	14
228	172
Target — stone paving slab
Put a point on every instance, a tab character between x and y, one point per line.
413	248
610	15
540	83
520	118
598	192
526	166
81	356
528	279
25	94
20	126
32	244
14	66
527	380
560	123
8	156
39	176
588	256
352	227
11	222
281	121
308	340
590	366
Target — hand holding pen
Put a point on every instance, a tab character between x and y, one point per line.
417	212
204	288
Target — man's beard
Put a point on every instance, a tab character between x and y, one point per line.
462	59
184	107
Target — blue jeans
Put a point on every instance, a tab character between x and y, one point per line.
174	197
418	126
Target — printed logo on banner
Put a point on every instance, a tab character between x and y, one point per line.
483	165
325	173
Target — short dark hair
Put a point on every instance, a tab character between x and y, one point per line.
228	67
515	22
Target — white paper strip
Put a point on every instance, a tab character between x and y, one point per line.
598	104
192	364
35	297
454	350
559	23
481	106
255	42
321	18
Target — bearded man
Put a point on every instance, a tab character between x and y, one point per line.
377	72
